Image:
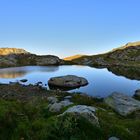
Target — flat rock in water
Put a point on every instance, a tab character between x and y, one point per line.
122	104
87	112
67	82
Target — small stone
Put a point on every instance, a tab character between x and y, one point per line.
52	100
66	103
113	138
56	107
67	97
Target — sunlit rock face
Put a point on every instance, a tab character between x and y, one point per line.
9	51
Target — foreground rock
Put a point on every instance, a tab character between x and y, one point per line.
122	104
67	82
87	112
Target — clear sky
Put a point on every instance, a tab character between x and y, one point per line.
68	27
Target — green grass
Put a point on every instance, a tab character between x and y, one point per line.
31	120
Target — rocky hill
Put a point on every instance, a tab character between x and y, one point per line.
127	55
11	57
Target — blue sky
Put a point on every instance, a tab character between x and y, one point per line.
68	27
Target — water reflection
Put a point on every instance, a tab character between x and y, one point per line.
128	72
17	72
101	81
9	74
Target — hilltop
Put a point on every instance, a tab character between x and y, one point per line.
127	55
73	57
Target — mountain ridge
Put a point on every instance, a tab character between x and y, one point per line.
127	55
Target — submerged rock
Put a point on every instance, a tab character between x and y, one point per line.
137	93
87	112
122	104
67	82
23	80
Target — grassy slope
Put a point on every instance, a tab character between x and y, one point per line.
31	120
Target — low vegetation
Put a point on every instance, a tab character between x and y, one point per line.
30	119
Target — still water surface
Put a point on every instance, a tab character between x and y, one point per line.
101	81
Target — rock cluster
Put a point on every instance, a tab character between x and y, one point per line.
56	106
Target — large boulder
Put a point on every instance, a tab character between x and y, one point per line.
87	112
122	104
67	82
